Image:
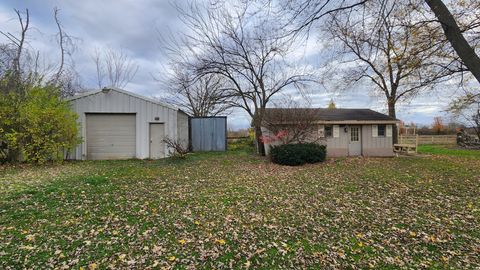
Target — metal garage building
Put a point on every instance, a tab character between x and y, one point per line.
117	124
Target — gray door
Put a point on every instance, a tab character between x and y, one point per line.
110	136
355	141
157	135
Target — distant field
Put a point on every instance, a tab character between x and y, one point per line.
450	150
237	210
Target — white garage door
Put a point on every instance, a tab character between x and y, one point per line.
110	136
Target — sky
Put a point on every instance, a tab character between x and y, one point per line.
135	26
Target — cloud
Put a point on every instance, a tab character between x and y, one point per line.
127	25
133	26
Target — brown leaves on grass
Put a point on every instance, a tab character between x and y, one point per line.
237	211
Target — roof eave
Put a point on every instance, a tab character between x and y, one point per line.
125	92
344	122
357	122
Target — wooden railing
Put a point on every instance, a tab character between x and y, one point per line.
427	139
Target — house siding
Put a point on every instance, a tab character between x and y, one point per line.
375	146
338	147
117	102
266	132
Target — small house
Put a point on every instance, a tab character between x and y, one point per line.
118	124
345	132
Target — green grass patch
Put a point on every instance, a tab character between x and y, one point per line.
450	150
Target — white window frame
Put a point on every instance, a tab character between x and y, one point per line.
385	130
389	131
321	131
336	131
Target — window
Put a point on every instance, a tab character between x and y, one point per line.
354	134
321	131
328	131
381	130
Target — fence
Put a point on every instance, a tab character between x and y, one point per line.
208	133
428	139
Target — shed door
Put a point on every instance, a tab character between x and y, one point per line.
355	141
208	133
157	135
110	136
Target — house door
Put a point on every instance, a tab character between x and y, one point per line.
157	135
355	141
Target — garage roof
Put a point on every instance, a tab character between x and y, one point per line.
94	92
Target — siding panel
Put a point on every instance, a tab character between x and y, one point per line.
209	134
376	146
119	102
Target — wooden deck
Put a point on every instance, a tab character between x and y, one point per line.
405	148
409	147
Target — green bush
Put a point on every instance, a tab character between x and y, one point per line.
37	125
298	154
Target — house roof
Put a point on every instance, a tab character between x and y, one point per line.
97	91
330	115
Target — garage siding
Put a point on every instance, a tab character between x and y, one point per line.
182	129
115	101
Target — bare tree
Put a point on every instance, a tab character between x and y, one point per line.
467	110
475	119
455	36
7	53
305	13
244	45
24	64
198	96
398	59
289	122
18	43
114	68
66	78
61	41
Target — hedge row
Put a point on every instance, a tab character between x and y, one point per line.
298	154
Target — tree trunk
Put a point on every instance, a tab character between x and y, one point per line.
258	138
392	113
455	37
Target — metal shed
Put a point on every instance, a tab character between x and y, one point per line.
208	133
118	124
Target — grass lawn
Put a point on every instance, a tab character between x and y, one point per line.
451	150
235	210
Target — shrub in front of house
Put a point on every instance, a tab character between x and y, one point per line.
298	154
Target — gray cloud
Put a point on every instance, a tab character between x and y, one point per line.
134	25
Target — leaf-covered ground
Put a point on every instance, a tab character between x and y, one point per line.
235	210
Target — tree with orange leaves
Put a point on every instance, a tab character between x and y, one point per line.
438	125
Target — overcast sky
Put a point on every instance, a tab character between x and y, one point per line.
133	26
